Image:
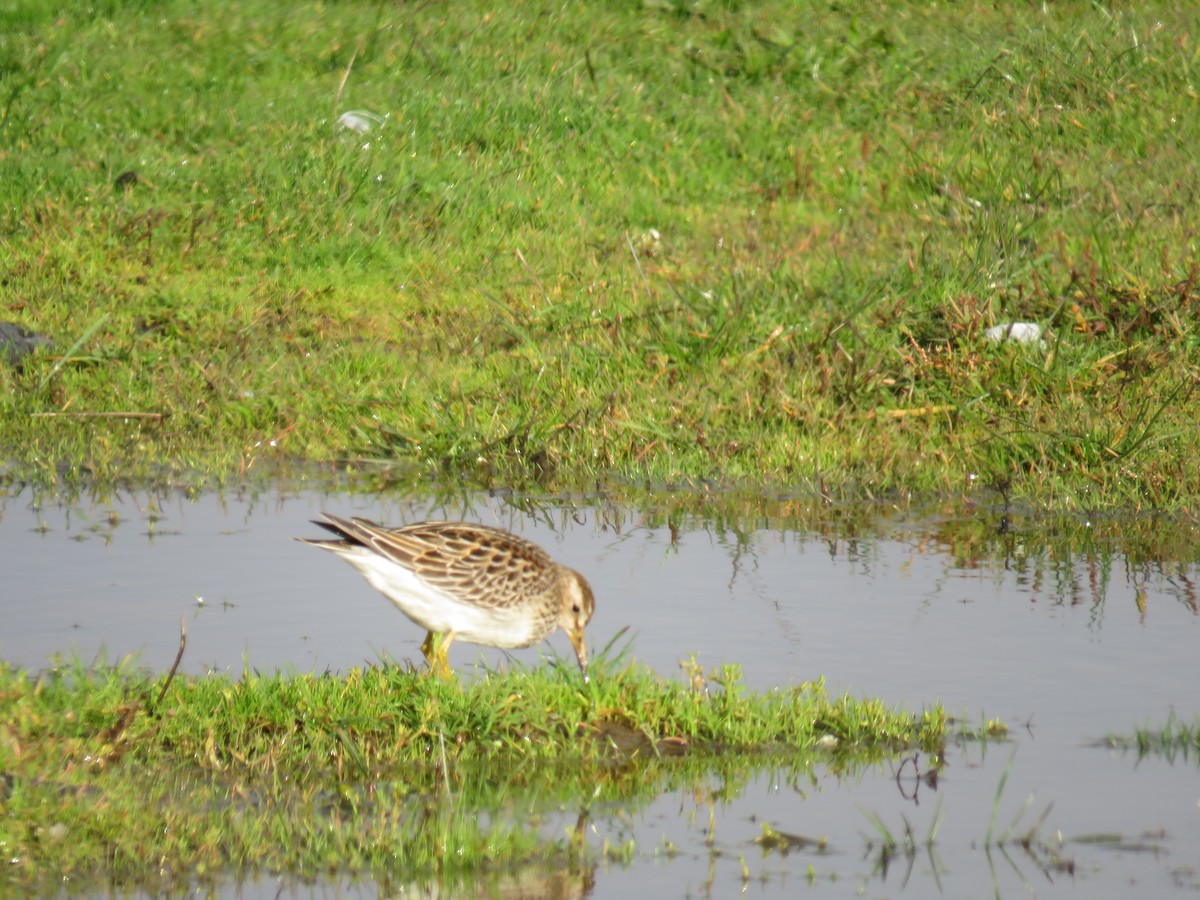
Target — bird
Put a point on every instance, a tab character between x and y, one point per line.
465	581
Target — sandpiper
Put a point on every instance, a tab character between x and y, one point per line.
460	580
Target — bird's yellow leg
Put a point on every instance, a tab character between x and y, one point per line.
443	655
427	646
436	648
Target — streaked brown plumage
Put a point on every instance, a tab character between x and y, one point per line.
467	582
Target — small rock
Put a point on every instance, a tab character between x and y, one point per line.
1018	332
17	342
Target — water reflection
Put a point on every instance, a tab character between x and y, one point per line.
1067	628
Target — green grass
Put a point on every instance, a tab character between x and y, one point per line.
844	198
1176	739
382	772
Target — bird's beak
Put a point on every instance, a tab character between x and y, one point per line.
580	651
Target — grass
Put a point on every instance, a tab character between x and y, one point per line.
683	243
1176	739
1044	851
891	849
381	772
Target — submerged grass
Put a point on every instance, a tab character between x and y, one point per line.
1176	739
905	847
683	242
380	770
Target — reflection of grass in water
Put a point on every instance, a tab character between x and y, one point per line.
1174	740
103	773
891	847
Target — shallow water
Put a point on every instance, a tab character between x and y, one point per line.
1065	641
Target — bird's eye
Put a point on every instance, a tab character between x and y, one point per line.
575	609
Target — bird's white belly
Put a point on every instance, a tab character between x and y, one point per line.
437	610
